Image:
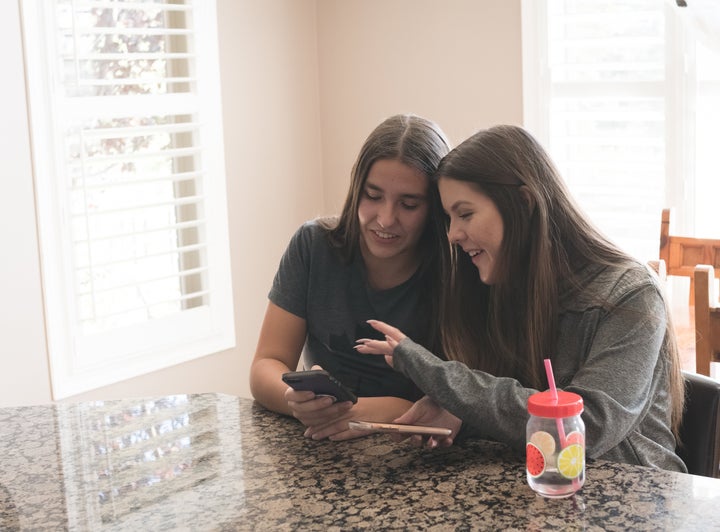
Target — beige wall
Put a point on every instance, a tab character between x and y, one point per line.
457	62
304	81
24	376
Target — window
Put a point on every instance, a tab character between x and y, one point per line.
627	100
130	186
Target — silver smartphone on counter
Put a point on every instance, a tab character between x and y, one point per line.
394	428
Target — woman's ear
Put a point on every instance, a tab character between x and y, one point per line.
529	200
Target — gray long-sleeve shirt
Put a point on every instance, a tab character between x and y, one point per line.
615	359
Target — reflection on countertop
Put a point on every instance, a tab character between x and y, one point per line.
215	462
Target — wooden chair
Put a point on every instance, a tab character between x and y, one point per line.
707	319
700	426
681	253
660	268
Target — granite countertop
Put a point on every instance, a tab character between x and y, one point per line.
215	462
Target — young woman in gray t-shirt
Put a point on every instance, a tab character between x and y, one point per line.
379	259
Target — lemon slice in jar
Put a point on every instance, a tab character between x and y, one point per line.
571	461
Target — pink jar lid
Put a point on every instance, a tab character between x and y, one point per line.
568	404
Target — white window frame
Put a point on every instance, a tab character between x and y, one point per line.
79	363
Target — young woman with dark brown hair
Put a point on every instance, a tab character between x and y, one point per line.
531	278
380	257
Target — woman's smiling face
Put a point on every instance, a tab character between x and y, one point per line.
475	224
393	210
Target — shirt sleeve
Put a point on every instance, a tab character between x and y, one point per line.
616	376
290	286
623	380
490	407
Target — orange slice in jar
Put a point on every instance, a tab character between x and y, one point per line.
544	441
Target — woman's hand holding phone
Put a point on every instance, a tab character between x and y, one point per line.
320	382
383	408
312	397
312	410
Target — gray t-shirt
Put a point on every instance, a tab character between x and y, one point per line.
335	300
616	360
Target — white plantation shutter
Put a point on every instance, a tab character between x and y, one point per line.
610	89
130	179
705	155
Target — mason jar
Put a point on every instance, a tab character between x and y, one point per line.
555	444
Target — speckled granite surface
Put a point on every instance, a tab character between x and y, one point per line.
215	462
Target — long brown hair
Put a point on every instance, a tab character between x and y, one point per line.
507	329
420	144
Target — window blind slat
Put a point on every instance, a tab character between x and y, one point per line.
147	306
127	56
90	82
142	281
131	105
80	5
110	184
140	130
195	224
100	31
135	258
140	207
124	158
644	90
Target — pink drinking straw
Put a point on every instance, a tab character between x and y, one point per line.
554	395
558	421
551	379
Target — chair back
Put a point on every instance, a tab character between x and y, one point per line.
660	269
682	253
700	426
707	319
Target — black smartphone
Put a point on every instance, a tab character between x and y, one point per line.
320	382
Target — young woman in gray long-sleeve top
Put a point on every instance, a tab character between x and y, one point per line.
549	285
